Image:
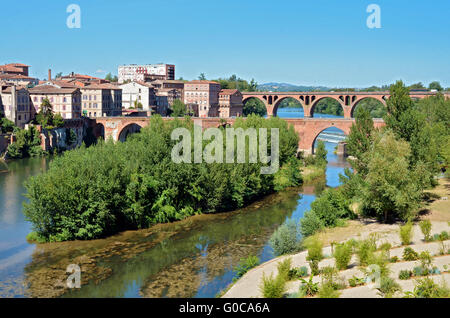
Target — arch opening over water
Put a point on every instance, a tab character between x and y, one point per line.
288	107
327	106
331	135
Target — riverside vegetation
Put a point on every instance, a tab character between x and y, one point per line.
393	165
109	187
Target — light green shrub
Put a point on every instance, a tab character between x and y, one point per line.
314	246
406	233
273	287
425	227
343	254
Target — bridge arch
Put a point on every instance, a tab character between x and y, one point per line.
279	101
378	110
99	131
337	100
128	130
260	103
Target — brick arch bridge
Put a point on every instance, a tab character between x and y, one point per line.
308	100
307	128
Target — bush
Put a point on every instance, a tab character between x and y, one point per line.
273	287
343	254
388	287
406	233
327	291
409	254
245	265
285	239
310	224
308	288
443	236
394	259
425	227
314	246
284	268
356	281
298	272
427	288
405	274
426	262
364	251
330	276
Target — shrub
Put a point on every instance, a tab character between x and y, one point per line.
394	259
310	223
356	281
443	236
405	274
285	239
314	246
388	287
273	287
425	227
343	254
298	272
409	254
406	233
427	288
330	277
327	291
308	287
245	265
381	261
284	268
364	251
426	262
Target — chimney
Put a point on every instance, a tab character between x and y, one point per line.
49	74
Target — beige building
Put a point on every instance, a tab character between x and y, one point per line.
203	95
15	104
147	72
230	103
65	101
101	100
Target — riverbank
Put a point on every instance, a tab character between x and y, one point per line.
437	210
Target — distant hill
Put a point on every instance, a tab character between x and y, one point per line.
285	87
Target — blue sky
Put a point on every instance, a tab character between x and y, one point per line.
301	42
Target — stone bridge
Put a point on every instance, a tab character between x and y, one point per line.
118	128
308	100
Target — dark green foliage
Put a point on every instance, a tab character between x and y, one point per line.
298	272
254	106
326	211
93	192
28	144
71	137
46	118
6	126
329	106
245	265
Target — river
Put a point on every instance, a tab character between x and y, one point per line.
191	258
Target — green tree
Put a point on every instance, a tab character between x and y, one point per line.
435	85
321	152
359	140
202	77
390	188
418	85
178	109
45	114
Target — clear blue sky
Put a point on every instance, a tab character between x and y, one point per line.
301	42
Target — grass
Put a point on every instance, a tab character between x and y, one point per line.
312	172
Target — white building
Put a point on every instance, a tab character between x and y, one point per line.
138	92
146	72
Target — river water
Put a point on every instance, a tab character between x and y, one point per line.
191	258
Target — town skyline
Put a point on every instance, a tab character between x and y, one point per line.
316	45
